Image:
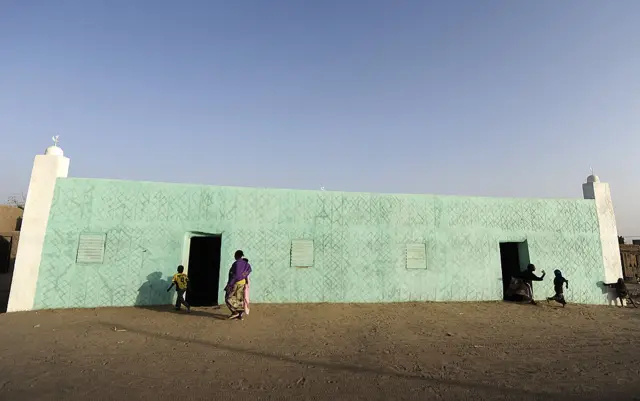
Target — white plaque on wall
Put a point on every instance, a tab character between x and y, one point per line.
302	253
416	256
91	248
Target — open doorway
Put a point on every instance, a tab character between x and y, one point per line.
5	254
6	271
204	270
514	256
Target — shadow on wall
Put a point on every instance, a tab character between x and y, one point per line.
612	296
154	291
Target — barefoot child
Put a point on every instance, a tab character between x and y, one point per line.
181	281
558	281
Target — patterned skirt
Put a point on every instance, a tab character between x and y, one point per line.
235	297
520	288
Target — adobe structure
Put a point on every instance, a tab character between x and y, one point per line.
96	242
630	257
10	222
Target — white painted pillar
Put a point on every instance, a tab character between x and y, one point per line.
601	193
46	169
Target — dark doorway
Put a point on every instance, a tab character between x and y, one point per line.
5	254
204	270
6	271
510	261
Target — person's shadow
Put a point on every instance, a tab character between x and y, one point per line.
153	295
154	291
612	296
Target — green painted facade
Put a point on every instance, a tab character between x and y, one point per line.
359	240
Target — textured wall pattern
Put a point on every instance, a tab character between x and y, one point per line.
359	243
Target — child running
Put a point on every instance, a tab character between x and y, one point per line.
558	281
181	281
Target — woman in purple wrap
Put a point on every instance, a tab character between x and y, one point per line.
235	289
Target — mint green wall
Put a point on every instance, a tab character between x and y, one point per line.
359	243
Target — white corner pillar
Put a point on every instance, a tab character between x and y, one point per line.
600	192
47	169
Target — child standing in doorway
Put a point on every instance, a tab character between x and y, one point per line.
181	282
558	282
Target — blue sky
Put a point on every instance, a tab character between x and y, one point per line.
491	98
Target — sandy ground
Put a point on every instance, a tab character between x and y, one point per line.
429	351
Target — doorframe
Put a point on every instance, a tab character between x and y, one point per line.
186	249
524	257
186	246
523	254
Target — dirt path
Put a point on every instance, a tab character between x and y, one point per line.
324	352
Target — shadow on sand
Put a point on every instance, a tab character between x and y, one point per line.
214	312
356	369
